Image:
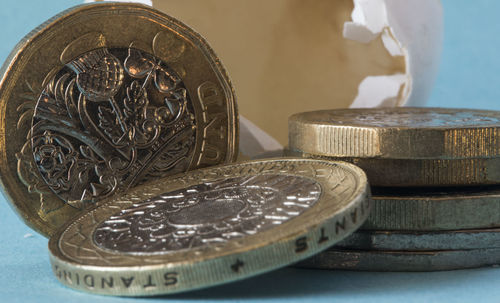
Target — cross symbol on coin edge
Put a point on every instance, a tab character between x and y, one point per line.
237	265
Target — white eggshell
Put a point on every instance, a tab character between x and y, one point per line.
410	28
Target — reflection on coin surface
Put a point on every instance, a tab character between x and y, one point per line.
210	226
422	241
207	213
397	133
103	98
373	260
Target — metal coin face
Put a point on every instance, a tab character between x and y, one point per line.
403	260
102	98
397	133
422	241
430	210
422	172
210	226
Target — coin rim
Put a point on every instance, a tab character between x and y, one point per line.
378	240
386	172
413	261
394	142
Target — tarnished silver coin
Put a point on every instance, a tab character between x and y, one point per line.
403	260
210	226
434	209
422	241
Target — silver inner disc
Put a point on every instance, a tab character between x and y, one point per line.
206	213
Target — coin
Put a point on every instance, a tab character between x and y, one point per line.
422	241
104	97
426	209
210	226
429	210
397	133
403	260
422	172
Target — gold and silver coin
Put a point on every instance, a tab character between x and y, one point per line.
422	172
210	226
429	210
102	98
375	260
421	241
397	133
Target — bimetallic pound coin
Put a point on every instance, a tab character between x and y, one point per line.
102	98
422	172
210	226
422	241
431	210
397	133
403	260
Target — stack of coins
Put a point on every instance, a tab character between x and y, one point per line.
434	175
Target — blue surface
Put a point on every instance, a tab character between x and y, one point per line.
469	77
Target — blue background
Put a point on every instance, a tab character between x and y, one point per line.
469	77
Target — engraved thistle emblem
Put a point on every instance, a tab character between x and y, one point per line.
111	118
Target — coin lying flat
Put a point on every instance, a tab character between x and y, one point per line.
102	98
430	210
210	226
422	172
403	260
422	241
397	133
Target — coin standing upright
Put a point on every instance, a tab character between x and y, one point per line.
104	97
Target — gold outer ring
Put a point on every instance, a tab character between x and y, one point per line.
41	53
342	207
397	133
422	172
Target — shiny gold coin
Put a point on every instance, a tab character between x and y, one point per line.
422	172
210	226
397	133
104	97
